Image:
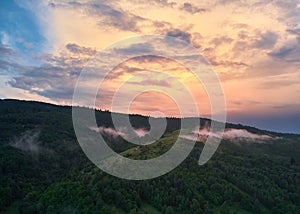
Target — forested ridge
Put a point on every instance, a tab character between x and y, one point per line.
43	170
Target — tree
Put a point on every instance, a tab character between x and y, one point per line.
293	161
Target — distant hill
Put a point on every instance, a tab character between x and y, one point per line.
43	169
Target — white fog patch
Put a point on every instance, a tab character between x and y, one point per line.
242	133
141	132
198	134
27	142
201	135
108	131
121	132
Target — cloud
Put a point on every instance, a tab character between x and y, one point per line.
266	40
5	51
246	102
222	40
111	16
164	3
155	82
27	45
188	7
7	67
185	36
294	31
151	59
106	14
117	18
246	52
42	87
240	46
248	42
224	2
289	53
152	82
231	64
289	9
284	106
281	81
240	26
282	52
139	48
54	79
56	83
76	49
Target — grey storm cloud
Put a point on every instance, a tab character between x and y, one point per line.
188	7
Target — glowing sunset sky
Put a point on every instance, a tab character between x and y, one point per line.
254	46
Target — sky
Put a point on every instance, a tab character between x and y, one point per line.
253	46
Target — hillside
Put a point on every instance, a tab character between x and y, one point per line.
43	169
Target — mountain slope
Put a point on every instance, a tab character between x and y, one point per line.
43	169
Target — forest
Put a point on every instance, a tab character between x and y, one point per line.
44	170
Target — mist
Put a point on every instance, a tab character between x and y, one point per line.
108	131
27	142
121	132
201	135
